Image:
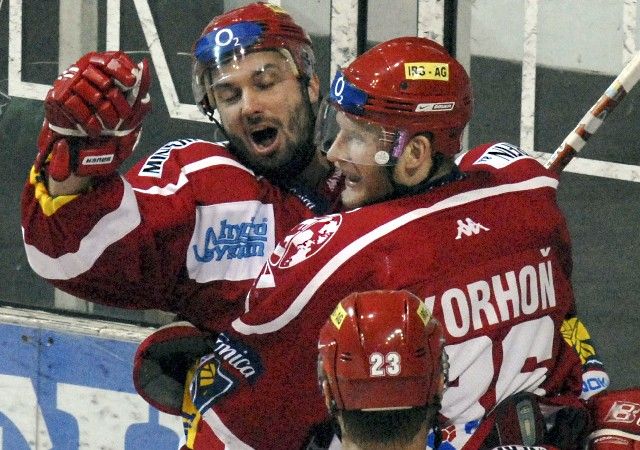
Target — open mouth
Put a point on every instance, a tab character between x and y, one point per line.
264	137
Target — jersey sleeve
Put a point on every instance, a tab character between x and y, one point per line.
125	243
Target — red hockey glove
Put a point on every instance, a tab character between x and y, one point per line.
617	420
162	361
93	115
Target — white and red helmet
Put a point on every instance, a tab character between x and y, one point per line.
381	350
407	86
255	27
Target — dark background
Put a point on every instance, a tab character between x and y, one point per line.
602	213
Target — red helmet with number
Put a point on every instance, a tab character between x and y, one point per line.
381	350
230	36
408	86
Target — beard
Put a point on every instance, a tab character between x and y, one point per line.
295	155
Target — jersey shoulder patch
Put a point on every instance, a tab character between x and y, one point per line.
154	164
498	156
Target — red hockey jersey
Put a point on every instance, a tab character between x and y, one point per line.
186	230
490	254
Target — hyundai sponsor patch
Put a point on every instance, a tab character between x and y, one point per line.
231	241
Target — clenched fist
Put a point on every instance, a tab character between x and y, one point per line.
93	115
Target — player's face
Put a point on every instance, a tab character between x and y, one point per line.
355	144
263	111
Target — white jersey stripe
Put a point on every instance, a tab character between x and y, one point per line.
613	432
109	229
172	188
230	440
354	247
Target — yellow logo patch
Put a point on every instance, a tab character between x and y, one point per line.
424	314
576	335
426	71
338	315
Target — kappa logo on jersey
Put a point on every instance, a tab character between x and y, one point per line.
305	240
231	241
154	163
469	228
501	155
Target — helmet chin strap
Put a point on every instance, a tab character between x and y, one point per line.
220	129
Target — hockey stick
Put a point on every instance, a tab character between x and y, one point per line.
592	120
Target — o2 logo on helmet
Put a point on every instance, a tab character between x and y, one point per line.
383	365
219	43
338	88
224	37
347	95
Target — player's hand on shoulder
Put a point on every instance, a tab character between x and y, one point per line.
93	115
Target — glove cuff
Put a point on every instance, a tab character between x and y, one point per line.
162	361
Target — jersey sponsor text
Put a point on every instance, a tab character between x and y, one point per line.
242	240
239	356
153	165
231	241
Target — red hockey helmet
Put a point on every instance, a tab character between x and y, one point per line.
232	35
381	350
407	86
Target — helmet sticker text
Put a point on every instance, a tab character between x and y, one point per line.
435	107
426	71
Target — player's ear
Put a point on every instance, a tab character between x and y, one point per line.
415	162
313	88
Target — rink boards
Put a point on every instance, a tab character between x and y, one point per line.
66	384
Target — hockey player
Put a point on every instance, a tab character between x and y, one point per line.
482	241
188	228
380	368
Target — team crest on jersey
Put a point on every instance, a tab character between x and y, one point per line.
501	155
305	240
